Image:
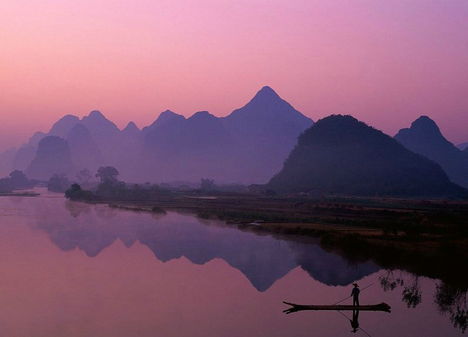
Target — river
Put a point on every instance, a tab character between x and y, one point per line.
74	269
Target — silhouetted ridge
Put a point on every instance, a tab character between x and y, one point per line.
424	137
425	124
267	103
36	138
63	126
202	115
53	156
266	94
248	146
165	117
96	120
96	114
341	155
131	128
168	115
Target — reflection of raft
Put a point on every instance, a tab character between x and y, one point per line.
375	307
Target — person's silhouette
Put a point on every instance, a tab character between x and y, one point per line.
355	321
355	293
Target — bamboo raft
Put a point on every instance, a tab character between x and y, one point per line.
373	307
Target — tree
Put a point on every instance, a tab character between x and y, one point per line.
389	282
107	174
207	185
5	185
19	180
412	295
451	300
73	191
76	193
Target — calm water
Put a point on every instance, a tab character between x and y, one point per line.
72	269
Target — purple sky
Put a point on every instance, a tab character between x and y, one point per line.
385	62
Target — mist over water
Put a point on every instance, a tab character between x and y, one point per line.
76	269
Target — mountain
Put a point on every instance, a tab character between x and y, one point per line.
36	138
247	146
131	130
341	155
62	127
84	151
263	113
266	130
99	125
6	160
424	137
172	132
52	156
186	149
106	134
82	134
165	117
164	133
25	154
130	160
23	157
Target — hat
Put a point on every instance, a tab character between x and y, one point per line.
355	284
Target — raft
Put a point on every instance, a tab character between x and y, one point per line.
372	307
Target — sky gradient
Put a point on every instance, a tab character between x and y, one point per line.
385	62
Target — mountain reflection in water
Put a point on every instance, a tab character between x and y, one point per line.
262	259
78	269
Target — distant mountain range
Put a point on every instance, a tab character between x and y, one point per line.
424	137
247	146
341	155
250	145
53	155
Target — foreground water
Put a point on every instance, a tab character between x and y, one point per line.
73	269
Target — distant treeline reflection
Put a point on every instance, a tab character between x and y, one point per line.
450	300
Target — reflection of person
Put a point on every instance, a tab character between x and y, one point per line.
355	321
355	293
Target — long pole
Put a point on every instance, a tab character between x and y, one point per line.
344	299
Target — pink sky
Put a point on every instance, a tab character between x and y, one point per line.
385	62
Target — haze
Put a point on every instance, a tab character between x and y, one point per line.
385	62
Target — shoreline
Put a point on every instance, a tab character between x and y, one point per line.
437	255
426	226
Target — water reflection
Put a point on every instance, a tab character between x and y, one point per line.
127	291
453	302
262	259
450	300
355	321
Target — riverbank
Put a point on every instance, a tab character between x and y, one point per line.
427	226
424	236
19	194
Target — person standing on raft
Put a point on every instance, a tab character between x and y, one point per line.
355	294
